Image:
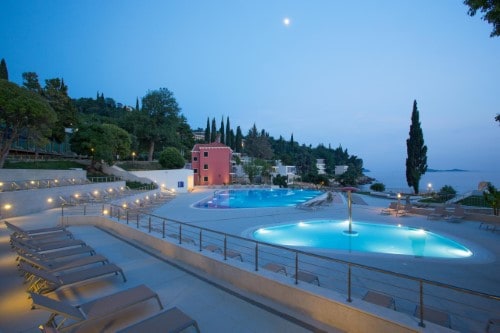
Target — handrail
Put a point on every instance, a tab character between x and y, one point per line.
183	230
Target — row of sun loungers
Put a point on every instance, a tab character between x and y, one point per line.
46	268
440	212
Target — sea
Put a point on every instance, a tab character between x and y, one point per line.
463	181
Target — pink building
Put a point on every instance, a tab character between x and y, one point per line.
211	163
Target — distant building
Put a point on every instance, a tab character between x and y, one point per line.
199	135
320	164
340	169
211	164
288	171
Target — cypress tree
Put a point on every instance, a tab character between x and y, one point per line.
228	133
137	104
213	133
416	162
238	140
207	131
222	131
4	73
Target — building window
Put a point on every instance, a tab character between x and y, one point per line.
205	154
195	158
195	170
205	166
180	184
205	179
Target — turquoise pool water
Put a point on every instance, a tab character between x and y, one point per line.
375	238
257	198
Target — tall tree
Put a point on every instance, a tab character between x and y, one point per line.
228	133
4	73
160	116
238	140
137	104
497	118
207	131
491	8
213	132
30	82
56	93
416	162
222	131
22	112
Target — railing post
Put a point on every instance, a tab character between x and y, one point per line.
421	295
256	256
225	246
62	210
180	233
127	214
349	283
200	238
84	210
296	268
137	220
163	228
149	224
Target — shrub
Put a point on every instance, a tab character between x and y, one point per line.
171	158
377	187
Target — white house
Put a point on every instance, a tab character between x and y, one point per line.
340	169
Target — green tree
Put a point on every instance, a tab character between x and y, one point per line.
377	187
56	93
30	82
22	111
4	73
258	145
492	197
102	142
238	140
222	131
171	158
159	116
491	10
228	134
137	104
207	131
213	132
497	118
416	162
447	192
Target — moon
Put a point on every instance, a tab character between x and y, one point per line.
286	21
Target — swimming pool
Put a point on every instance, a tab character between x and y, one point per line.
374	238
257	198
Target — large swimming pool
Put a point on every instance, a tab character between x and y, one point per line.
257	198
375	238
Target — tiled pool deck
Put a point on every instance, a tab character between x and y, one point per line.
217	306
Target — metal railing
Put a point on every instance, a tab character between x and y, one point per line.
469	310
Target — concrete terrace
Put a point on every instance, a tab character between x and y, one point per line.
221	307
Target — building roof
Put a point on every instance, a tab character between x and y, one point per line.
200	146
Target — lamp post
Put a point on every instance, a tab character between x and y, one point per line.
429	188
133	157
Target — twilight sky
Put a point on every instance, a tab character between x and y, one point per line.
341	73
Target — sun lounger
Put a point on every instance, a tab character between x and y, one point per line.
56	254
438	213
229	253
380	299
55	265
306	277
434	315
276	268
42	281
170	321
42	246
65	317
15	228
